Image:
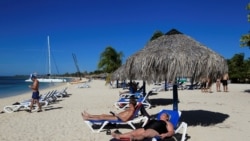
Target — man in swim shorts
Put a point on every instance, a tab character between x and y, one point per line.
162	128
224	80
35	93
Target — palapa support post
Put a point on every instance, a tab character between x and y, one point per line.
124	84
117	83
166	85
175	97
144	88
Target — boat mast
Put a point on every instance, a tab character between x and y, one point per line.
49	57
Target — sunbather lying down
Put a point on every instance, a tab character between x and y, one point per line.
153	128
123	116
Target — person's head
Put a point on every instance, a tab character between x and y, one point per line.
32	77
165	117
132	101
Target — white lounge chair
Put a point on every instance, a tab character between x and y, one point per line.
23	106
123	103
103	123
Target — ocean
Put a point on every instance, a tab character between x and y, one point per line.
13	85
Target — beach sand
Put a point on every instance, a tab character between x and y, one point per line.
213	116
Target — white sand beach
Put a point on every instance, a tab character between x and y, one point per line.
213	116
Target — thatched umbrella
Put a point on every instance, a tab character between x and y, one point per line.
119	74
174	55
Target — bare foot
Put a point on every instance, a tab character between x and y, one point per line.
86	114
116	136
83	116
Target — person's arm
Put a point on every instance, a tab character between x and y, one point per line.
116	115
170	132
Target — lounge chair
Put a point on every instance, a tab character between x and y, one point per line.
23	106
83	85
123	103
128	95
162	87
112	84
193	86
62	93
134	119
174	119
44	100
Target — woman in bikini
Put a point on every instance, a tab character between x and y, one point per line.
162	128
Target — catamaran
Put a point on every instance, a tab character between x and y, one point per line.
49	79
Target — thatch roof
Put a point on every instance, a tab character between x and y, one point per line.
119	74
174	55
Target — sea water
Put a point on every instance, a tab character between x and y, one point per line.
13	85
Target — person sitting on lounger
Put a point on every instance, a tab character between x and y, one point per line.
133	86
123	116
153	128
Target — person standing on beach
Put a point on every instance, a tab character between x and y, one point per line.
35	93
209	85
203	84
218	84
224	80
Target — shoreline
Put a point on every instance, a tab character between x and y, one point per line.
28	94
210	116
11	86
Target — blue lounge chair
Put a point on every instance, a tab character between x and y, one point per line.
174	119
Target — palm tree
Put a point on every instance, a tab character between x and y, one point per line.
156	35
110	60
245	39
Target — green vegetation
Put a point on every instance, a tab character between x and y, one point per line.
156	35
239	69
245	39
110	60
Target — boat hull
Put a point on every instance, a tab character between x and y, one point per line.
47	80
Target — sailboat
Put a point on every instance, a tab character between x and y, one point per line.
49	79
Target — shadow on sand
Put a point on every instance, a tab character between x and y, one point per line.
202	117
247	91
48	108
160	102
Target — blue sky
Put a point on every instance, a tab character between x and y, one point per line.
87	27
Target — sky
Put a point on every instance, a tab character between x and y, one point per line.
86	27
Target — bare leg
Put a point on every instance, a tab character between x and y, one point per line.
149	133
31	104
133	133
39	105
116	136
87	116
